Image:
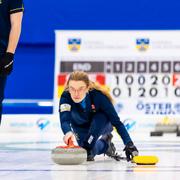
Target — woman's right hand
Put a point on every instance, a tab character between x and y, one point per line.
69	135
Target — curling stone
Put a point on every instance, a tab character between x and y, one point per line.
166	128
69	155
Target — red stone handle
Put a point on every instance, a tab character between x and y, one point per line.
69	145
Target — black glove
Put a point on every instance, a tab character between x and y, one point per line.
130	151
6	64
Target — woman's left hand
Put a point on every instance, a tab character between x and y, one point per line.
130	151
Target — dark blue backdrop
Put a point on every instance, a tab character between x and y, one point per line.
34	66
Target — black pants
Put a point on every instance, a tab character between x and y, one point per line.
2	87
100	125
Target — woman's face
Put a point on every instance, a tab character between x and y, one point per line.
77	90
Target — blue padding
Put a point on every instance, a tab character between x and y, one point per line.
26	108
41	17
33	74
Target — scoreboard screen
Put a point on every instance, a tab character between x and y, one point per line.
140	68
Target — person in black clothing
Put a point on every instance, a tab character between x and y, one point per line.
87	114
11	12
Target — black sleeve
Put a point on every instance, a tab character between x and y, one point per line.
16	6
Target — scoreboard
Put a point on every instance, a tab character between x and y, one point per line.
140	68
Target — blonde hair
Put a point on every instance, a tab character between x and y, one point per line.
82	76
